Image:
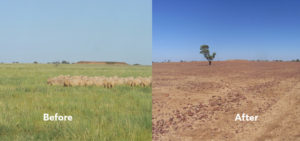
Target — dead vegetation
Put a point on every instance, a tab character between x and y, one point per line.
107	82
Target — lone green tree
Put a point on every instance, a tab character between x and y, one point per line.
204	49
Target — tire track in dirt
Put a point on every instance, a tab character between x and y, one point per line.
282	122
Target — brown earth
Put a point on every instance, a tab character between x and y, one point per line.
194	101
101	63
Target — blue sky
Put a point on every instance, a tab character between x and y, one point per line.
72	30
234	29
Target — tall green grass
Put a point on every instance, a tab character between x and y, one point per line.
121	113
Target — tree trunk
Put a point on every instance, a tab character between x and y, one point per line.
209	62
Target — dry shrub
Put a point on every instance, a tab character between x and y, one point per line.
107	82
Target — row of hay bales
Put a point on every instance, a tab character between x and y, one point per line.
107	82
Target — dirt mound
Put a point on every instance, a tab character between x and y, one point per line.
107	82
102	63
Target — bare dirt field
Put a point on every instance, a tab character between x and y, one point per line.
194	101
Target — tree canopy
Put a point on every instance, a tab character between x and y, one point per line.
204	49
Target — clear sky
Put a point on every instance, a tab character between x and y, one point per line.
234	29
75	30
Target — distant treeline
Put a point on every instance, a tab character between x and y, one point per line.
258	60
296	60
57	62
99	62
86	62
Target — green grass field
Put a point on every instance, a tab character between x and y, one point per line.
121	113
